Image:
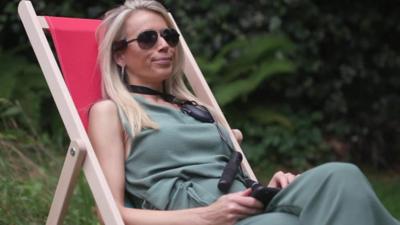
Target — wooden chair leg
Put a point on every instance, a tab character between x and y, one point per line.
69	174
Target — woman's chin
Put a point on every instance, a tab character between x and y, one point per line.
163	72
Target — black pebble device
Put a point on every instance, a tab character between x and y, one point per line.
260	192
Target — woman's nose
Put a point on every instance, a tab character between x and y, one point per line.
162	44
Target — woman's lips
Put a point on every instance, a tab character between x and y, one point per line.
163	60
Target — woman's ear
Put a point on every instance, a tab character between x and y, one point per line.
119	58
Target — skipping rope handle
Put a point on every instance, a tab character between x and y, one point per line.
229	172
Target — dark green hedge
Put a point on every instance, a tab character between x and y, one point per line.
335	96
348	58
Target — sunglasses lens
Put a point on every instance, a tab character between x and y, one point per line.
147	39
171	36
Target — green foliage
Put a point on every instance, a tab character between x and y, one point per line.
245	64
26	200
24	97
292	140
349	66
19	81
346	57
384	183
29	168
237	73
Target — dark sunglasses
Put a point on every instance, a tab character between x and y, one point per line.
147	39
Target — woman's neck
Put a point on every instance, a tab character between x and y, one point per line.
158	86
148	91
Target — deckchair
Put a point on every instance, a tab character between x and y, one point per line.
75	89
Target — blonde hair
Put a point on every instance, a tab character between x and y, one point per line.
112	29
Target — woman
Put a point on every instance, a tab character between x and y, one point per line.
163	165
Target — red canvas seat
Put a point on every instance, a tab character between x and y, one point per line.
75	43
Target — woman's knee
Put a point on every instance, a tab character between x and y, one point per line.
271	218
341	168
342	173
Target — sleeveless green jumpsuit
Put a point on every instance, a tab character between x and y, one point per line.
178	166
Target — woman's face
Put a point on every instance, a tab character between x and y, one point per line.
148	67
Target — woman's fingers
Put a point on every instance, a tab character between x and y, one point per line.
243	212
244	199
231	207
247	201
275	182
281	179
246	192
290	177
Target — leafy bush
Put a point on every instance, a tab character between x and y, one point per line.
346	55
244	65
349	61
26	97
292	140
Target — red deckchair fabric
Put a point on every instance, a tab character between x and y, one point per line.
75	43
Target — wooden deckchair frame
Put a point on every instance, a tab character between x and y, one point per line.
80	153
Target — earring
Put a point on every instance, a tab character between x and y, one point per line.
123	74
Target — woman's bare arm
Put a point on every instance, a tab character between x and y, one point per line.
107	137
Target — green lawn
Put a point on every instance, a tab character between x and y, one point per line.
387	187
27	185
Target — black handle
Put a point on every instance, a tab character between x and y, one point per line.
229	172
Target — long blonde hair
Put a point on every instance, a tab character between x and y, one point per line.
110	30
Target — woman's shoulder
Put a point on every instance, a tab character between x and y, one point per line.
104	110
103	115
105	106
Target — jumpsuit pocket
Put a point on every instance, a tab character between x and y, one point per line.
199	195
182	195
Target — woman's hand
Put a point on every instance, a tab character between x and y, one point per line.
231	207
281	179
238	135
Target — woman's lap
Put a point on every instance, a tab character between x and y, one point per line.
333	193
272	218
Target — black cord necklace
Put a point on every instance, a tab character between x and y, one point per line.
192	108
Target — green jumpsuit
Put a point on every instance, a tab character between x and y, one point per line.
178	166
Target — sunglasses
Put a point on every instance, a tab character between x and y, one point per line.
147	39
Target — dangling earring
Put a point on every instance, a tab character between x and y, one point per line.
122	74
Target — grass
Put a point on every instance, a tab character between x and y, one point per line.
387	188
27	183
29	172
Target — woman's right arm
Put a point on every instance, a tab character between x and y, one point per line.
107	137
